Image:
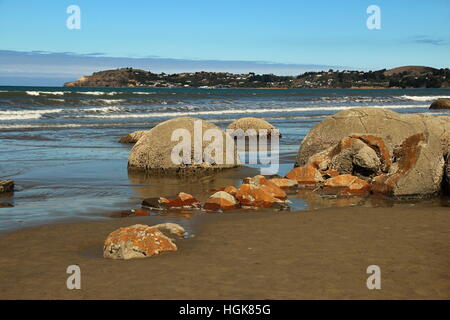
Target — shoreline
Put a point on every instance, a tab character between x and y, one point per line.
320	254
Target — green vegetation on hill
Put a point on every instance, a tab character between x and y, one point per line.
402	77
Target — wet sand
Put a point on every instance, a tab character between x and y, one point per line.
319	254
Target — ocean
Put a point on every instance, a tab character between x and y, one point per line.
60	145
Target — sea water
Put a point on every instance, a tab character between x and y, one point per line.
60	145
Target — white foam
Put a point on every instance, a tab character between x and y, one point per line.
110	101
38	93
245	111
96	93
423	98
25	114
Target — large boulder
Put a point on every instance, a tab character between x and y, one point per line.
252	123
441	104
400	154
133	137
153	152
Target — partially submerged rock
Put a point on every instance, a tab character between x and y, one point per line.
254	125
183	200
267	185
284	183
441	103
400	155
221	201
349	184
137	241
6	186
133	137
251	195
307	175
153	152
171	228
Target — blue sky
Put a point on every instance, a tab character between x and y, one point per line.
283	37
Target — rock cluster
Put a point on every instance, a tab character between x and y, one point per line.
395	155
254	192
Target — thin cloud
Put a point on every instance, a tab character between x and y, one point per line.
429	40
67	66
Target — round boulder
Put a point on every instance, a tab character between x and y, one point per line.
252	123
183	146
441	104
133	137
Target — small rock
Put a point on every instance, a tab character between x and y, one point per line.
6	186
221	201
254	196
154	203
267	185
183	200
137	241
305	175
352	184
171	228
284	183
142	213
231	190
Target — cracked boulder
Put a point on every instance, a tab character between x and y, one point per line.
133	137
399	155
137	241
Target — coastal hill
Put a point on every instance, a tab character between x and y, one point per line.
410	70
401	77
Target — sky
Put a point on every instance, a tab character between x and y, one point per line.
285	37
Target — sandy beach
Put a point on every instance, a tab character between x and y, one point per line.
319	254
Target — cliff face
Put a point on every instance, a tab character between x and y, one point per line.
125	77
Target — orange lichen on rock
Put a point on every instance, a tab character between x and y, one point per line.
267	185
349	183
284	183
380	148
182	200
137	241
406	157
221	201
330	173
305	175
254	196
231	190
